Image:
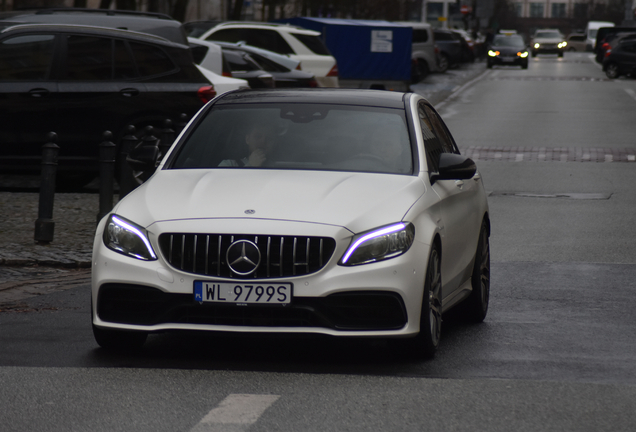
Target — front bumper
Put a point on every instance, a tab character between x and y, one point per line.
379	299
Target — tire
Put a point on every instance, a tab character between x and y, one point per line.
119	340
524	65
419	71
476	305
425	344
444	63
534	53
560	54
612	71
489	65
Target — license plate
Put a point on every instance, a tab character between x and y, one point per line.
507	60
242	293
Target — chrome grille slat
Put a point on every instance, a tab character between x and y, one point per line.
281	256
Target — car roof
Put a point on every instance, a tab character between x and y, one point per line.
265	25
103	31
375	98
153	23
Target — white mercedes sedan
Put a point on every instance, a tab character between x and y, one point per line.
348	213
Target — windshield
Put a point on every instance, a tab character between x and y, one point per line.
548	35
509	41
299	136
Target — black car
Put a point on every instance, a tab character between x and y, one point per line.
609	38
80	81
507	50
620	59
246	62
145	22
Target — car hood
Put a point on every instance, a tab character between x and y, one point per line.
356	201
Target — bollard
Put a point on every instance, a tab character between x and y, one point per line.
183	121
107	153
126	180
167	137
44	225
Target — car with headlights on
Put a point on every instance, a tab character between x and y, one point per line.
507	50
548	41
348	213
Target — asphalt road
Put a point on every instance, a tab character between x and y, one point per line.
556	352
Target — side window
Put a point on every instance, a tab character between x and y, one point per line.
435	143
440	130
151	60
269	40
26	58
229	35
420	36
124	65
88	58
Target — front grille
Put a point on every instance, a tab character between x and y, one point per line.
281	256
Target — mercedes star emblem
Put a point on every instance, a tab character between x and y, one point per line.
243	257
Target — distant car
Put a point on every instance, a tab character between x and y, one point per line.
548	41
80	81
451	48
424	52
576	42
620	59
591	30
208	57
348	213
297	43
507	50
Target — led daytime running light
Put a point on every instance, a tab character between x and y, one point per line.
384	231
136	231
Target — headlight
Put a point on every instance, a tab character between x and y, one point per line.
379	244
523	54
492	53
562	44
128	239
537	45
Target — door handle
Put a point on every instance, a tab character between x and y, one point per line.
477	177
459	183
129	92
38	92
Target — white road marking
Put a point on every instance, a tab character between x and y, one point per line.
235	413
519	157
631	92
631	158
457	91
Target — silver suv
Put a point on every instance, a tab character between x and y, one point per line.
548	41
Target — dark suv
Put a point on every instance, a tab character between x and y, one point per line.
79	81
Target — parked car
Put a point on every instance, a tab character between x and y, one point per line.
341	215
605	38
297	43
80	81
576	42
424	52
620	59
283	75
591	31
547	41
145	22
468	46
451	48
508	50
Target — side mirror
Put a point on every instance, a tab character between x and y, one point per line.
454	167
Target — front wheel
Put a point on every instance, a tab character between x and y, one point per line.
612	71
444	63
476	305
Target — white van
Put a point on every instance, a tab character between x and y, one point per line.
590	31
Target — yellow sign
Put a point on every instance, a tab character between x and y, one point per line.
442	19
